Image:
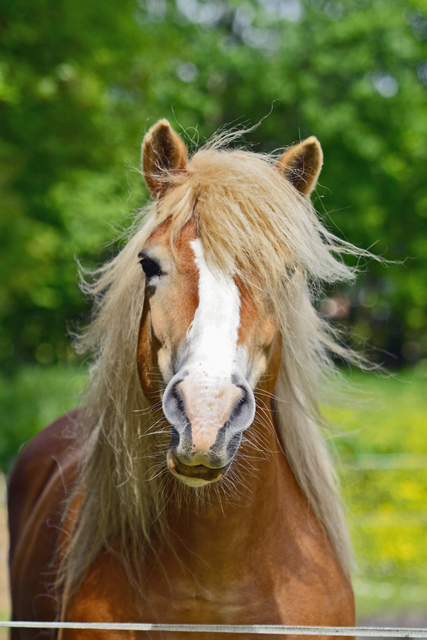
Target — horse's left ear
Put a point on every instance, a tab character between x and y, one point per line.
301	165
163	153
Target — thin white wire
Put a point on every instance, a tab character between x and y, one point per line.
378	632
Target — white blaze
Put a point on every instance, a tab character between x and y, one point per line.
213	335
208	390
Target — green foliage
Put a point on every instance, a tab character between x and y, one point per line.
58	164
81	82
383	469
31	399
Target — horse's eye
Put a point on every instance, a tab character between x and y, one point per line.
151	268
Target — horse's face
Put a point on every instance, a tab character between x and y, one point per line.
204	345
201	336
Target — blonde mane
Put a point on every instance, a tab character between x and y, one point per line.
250	219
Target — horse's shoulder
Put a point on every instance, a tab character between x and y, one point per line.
39	485
105	595
37	466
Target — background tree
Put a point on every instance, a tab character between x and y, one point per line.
81	82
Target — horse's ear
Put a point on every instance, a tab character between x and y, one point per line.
301	165
163	153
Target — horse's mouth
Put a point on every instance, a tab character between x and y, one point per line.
195	475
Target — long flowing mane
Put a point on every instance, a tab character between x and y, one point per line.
251	219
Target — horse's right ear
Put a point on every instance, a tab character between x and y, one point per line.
163	153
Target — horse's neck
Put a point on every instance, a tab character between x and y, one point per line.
248	515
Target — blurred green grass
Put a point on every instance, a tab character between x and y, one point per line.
381	449
380	444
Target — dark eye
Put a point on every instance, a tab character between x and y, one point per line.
150	267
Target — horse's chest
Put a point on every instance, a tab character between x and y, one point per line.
177	594
231	604
246	589
232	593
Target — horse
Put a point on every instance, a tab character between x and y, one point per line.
194	484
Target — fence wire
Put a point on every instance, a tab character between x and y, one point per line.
376	632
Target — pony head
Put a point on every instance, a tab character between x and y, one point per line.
209	334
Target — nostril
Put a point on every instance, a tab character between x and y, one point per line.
178	399
233	445
173	403
238	406
174	441
243	412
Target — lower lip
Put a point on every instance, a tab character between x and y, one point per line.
197	475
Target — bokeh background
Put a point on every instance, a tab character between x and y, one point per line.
80	83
